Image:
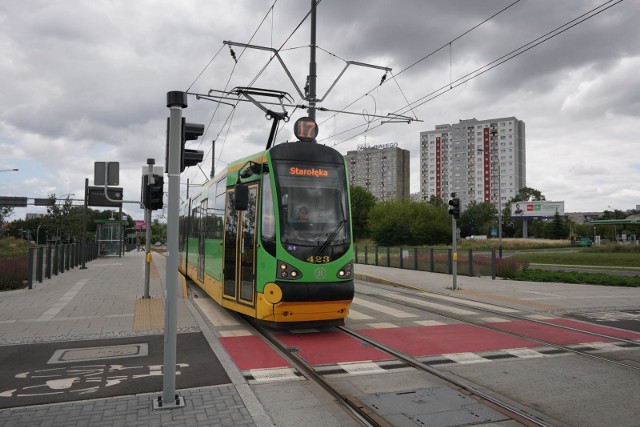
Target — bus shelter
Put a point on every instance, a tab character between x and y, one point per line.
109	236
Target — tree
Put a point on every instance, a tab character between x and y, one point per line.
477	219
5	212
558	228
158	231
404	222
361	203
436	201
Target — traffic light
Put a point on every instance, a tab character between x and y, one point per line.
152	193
454	207
190	131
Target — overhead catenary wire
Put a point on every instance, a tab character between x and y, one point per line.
213	115
517	52
394	77
496	62
256	77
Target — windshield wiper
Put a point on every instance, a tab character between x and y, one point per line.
331	237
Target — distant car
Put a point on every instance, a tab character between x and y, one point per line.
157	244
581	241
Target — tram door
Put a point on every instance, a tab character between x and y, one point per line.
202	233
240	248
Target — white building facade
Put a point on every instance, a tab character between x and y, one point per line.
479	160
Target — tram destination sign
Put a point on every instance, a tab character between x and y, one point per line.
95	196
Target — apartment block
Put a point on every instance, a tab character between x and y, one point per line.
382	169
479	160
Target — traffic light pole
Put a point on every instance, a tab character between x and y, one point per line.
147	220
454	243
176	101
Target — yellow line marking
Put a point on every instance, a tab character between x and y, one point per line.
149	314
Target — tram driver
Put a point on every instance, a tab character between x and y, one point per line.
302	220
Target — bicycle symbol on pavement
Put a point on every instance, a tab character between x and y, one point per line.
82	379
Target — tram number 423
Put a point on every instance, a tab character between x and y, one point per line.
319	259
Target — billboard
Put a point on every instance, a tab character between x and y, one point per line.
542	209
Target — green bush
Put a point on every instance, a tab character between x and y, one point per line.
14	272
510	267
404	222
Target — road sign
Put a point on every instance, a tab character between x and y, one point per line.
96	196
43	202
13	202
113	174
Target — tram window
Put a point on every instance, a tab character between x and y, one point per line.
268	214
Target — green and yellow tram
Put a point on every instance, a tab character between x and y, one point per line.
270	236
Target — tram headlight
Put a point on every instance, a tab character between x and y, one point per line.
346	272
287	271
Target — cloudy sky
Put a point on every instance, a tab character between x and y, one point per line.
86	81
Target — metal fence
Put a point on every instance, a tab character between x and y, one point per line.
435	260
45	262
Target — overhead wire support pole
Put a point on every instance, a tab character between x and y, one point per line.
360	64
311	96
275	52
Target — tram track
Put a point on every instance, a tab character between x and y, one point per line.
367	415
358	410
364	414
361	412
484	325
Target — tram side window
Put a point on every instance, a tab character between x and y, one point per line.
182	227
268	217
215	212
194	223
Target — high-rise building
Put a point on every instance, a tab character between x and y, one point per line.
479	160
382	169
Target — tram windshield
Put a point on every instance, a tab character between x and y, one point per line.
312	202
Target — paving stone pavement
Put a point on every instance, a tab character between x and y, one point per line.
211	406
99	302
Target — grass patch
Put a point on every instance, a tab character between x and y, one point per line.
577	277
585	257
13	247
513	244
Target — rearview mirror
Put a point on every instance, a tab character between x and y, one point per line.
242	197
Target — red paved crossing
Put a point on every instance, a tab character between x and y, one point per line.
323	348
251	352
333	347
435	340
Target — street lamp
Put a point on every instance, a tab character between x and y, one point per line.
9	170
